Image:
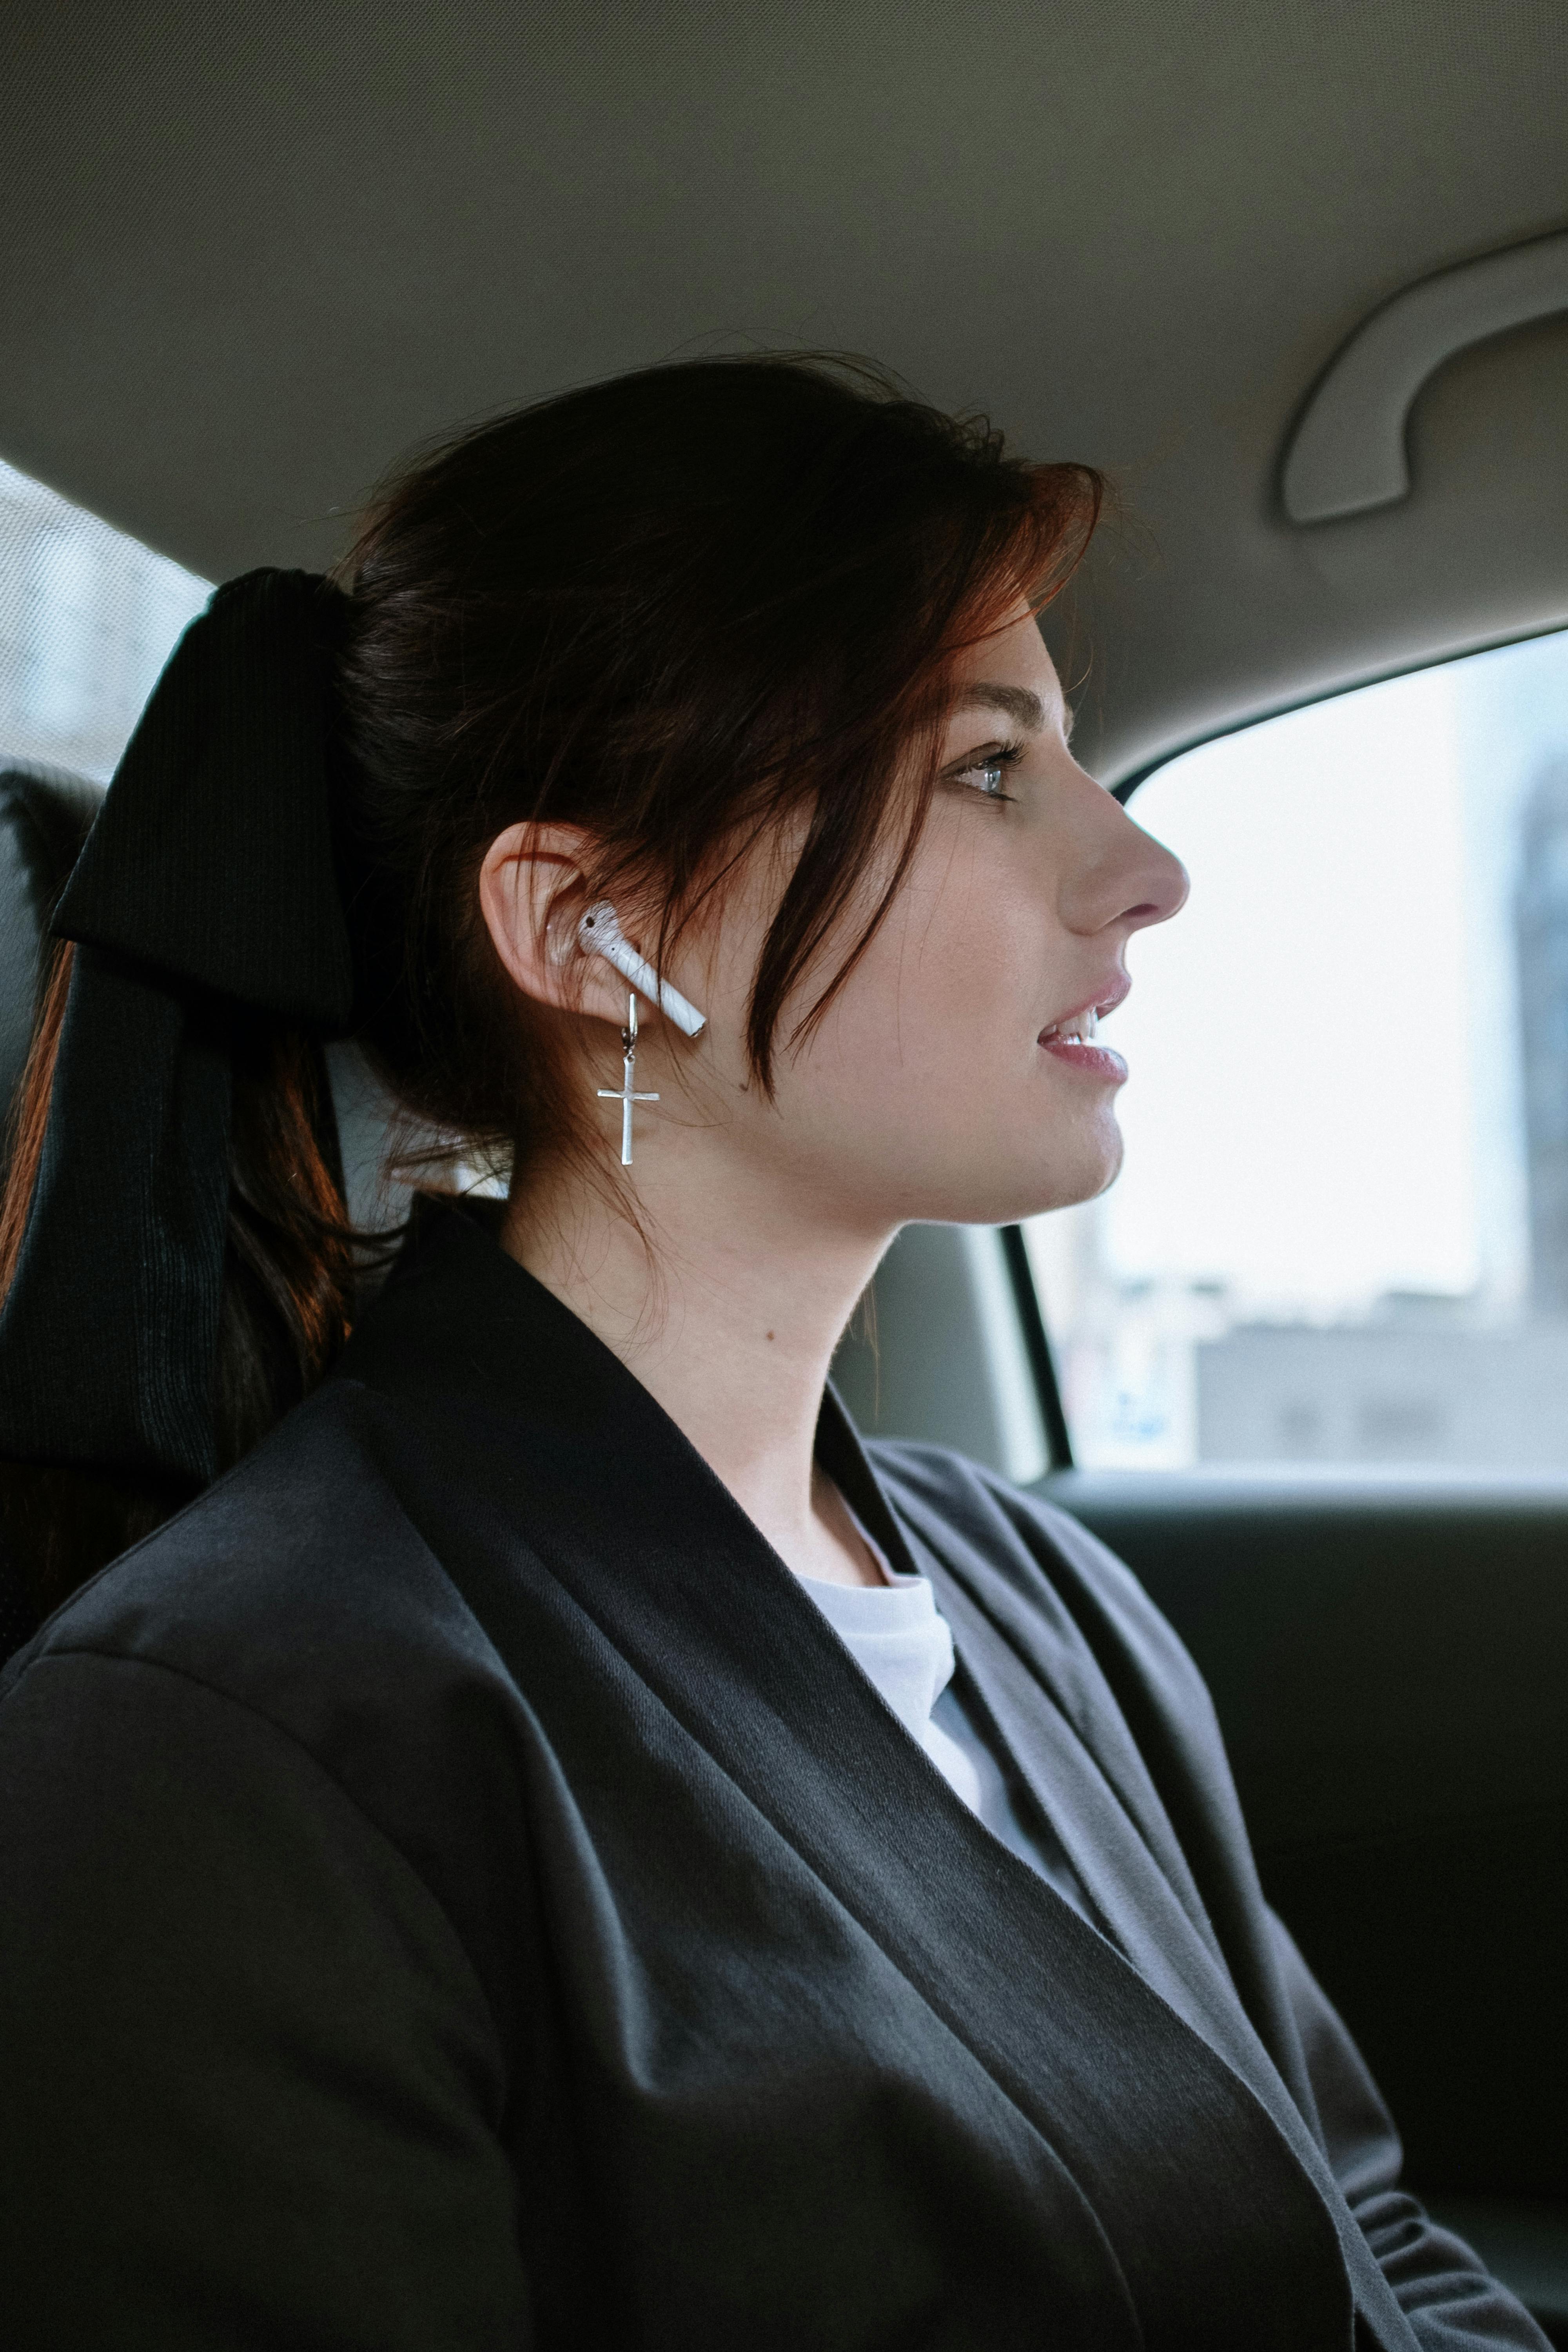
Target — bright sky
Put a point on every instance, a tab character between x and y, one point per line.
1301	1117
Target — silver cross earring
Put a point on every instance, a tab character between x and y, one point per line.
624	1093
599	933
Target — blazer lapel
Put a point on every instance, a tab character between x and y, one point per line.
1060	1721
1041	1635
1142	1911
1060	1724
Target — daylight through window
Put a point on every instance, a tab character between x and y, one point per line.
1340	1233
87	618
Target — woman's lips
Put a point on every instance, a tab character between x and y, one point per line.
1074	1039
1094	1061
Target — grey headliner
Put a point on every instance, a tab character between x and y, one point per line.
253	252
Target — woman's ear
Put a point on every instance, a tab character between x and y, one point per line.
532	894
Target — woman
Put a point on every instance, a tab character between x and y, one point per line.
515	1859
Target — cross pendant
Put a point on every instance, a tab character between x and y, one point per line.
623	1093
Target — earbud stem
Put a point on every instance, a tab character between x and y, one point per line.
599	933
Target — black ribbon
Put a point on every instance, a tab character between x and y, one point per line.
207	885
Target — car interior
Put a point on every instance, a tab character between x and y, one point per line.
1297	278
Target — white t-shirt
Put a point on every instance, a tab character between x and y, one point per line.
902	1644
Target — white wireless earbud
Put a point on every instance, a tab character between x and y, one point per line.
599	933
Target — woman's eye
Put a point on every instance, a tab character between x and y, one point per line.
988	774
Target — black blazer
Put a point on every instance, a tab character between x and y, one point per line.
459	1893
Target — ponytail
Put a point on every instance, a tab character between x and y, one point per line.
288	1287
177	1266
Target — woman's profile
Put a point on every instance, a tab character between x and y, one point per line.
546	1838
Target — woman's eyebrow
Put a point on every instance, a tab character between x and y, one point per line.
1017	701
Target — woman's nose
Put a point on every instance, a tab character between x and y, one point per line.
1160	880
1125	876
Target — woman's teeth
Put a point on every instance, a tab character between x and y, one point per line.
1082	1029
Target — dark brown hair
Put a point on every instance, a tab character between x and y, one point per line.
675	609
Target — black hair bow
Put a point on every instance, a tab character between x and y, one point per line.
206	886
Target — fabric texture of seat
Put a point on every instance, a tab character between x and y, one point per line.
44	819
44	815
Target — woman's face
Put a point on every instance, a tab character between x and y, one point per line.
952	1078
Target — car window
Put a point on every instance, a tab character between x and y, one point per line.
87	618
1341	1233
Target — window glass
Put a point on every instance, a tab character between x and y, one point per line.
1341	1233
87	618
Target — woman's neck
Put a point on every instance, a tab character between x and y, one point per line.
728	1312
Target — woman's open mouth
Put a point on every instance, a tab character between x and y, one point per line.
1074	1040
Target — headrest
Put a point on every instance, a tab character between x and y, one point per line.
44	819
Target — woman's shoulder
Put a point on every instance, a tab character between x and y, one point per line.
303	1541
996	1534
298	1590
294	1626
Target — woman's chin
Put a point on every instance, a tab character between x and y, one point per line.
1069	1177
1000	1195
